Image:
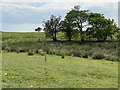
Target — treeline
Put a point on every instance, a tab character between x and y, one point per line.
83	24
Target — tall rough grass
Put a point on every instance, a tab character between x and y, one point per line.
25	42
85	50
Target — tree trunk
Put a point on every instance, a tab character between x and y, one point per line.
54	39
69	35
55	36
69	38
80	29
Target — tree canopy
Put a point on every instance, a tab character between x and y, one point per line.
101	27
79	18
51	27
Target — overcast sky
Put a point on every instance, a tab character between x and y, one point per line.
20	16
119	14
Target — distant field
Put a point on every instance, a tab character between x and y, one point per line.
27	35
23	71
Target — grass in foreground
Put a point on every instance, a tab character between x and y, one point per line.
23	71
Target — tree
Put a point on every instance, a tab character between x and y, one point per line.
51	27
79	18
118	35
38	29
68	28
101	27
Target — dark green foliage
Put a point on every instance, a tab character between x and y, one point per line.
67	26
100	27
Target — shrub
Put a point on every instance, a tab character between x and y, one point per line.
54	51
69	53
87	54
3	46
41	52
30	52
50	52
77	53
36	51
20	50
46	49
98	56
8	49
112	58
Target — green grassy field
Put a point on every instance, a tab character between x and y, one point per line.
23	71
18	36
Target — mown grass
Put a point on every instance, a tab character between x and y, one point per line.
23	71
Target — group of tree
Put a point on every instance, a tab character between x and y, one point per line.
82	23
